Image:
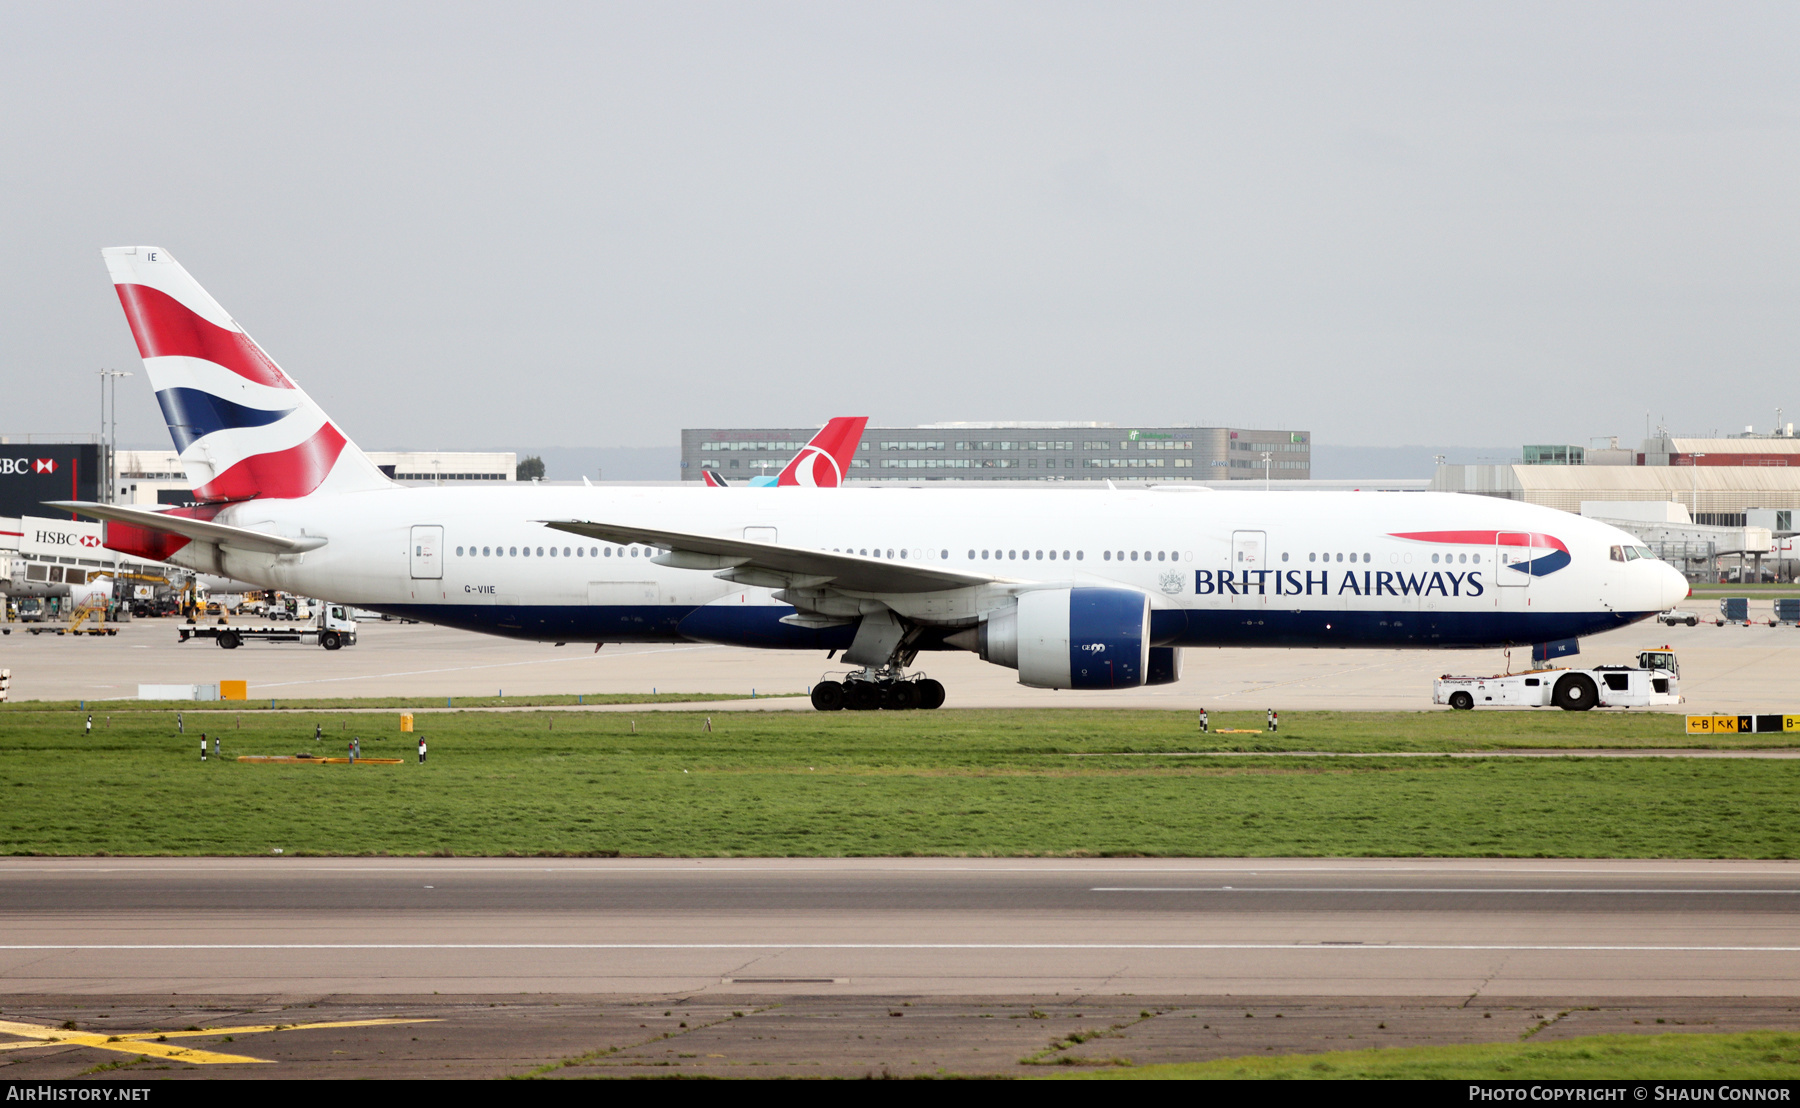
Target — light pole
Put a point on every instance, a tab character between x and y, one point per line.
1268	464
109	443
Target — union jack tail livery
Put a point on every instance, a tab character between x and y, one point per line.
825	461
244	429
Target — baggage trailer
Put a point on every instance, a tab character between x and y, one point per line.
333	629
1656	679
76	628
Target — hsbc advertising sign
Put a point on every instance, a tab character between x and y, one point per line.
33	473
65	538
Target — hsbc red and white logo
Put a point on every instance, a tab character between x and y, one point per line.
90	540
27	465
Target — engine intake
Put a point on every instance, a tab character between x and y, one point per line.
1077	638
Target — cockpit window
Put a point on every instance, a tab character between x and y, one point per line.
1631	554
1618	553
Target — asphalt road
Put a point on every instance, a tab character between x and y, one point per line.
920	927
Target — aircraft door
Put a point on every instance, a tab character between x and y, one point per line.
427	553
1512	550
1250	553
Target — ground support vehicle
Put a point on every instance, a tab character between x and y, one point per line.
77	628
1734	609
332	630
1656	679
1675	615
1787	610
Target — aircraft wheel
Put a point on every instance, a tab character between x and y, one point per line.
228	640
330	640
862	696
1575	693
902	696
1461	701
931	694
828	696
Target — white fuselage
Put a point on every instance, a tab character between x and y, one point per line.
1246	568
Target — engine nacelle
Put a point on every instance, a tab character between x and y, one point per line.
1079	638
1165	666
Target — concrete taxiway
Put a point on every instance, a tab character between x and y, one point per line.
1724	669
926	927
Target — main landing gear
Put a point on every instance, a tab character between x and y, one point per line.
869	689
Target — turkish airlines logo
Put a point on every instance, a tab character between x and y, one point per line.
15	466
815	468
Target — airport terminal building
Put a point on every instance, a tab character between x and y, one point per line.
1016	451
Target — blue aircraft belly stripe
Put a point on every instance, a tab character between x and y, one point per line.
192	415
761	626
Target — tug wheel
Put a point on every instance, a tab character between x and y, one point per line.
1575	693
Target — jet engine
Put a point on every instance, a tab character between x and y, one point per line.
1075	638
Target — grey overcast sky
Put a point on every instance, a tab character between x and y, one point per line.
490	225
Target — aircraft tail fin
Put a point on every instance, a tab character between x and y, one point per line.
713	480
243	428
825	461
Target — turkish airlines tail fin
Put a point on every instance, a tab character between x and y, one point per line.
825	461
243	427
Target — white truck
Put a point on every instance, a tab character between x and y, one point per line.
332	630
1656	679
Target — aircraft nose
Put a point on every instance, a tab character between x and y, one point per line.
1675	587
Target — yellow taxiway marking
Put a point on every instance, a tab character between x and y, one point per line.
147	1043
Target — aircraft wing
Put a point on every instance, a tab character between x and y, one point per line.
198	529
773	566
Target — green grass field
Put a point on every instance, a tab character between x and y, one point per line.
1745	1056
941	783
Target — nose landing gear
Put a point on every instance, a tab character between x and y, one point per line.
870	689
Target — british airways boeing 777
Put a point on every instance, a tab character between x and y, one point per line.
1083	589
